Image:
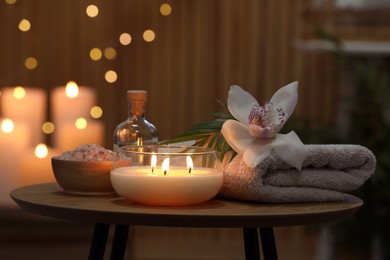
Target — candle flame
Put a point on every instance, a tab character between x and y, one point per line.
165	166
190	164
72	90
7	125
153	162
41	151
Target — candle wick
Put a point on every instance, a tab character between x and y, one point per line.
152	169
165	173
189	170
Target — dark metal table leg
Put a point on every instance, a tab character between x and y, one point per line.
251	244
268	243
119	243
99	240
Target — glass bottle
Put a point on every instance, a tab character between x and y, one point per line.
136	130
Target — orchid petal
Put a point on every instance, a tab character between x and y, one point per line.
257	152
261	132
240	103
286	98
290	149
237	136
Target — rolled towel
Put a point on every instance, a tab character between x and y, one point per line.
328	172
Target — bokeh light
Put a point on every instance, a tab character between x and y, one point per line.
125	38
149	35
110	53
48	127
71	89
165	9
19	92
92	11
7	125
81	123
24	25
41	151
95	54
10	2
96	112
111	76
31	63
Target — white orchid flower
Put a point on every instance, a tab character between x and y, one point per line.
256	131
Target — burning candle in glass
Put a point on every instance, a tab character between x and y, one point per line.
167	175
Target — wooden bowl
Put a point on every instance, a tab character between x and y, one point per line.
83	177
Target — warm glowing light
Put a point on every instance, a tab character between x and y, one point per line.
110	53
95	54
111	76
24	25
125	39
41	151
92	11
10	2
190	164
153	162
19	92
165	166
48	127
149	35
7	125
31	63
165	9
81	123
72	90
96	112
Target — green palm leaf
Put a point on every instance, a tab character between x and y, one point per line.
207	134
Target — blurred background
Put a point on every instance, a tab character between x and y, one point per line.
186	54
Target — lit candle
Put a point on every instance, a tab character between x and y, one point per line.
71	107
14	139
27	104
168	185
71	102
69	135
36	165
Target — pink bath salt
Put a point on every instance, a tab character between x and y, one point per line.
88	152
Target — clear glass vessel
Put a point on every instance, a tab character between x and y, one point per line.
166	175
135	130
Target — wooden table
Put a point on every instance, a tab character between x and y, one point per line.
49	200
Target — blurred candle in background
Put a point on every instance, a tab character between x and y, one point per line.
70	135
26	104
71	102
69	105
36	165
14	140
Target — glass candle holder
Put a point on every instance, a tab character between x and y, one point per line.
164	175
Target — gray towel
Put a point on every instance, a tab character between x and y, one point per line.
328	172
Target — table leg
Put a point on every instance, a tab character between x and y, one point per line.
119	242
268	243
251	244
99	240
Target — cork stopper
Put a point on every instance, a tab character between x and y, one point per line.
136	95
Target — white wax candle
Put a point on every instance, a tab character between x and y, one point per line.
176	188
66	109
29	106
68	137
12	145
36	170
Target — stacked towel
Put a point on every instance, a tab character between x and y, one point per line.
328	172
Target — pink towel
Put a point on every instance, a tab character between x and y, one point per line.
328	172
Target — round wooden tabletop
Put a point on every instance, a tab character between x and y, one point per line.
50	200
